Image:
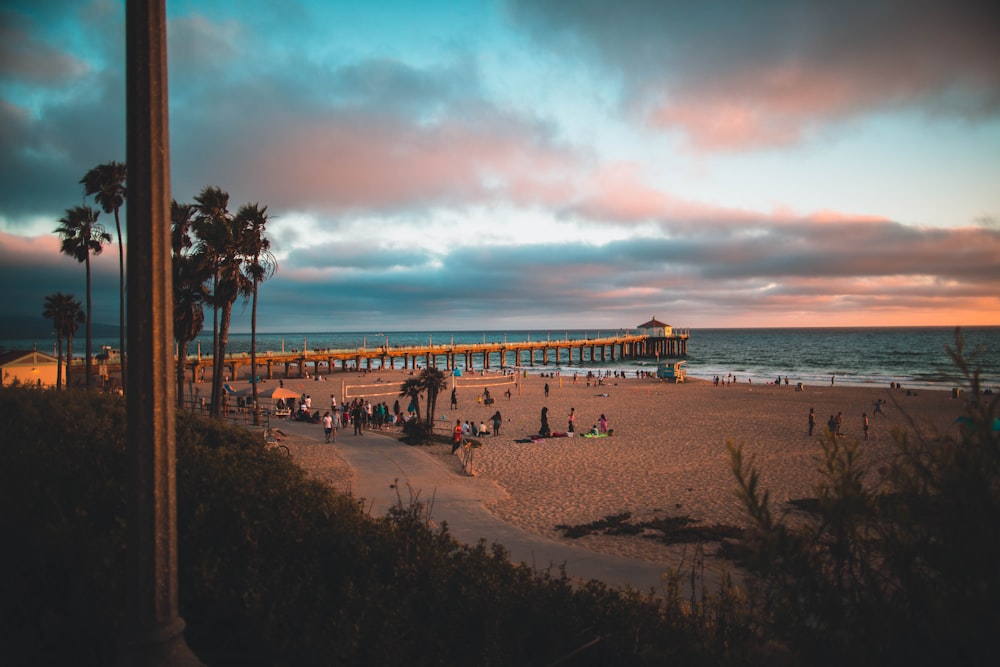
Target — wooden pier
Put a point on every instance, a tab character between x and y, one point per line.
501	356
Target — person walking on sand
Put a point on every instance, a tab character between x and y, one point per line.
572	418
454	400
456	436
357	417
812	420
865	425
327	425
840	424
497	421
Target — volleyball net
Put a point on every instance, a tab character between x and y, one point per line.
479	381
352	391
378	389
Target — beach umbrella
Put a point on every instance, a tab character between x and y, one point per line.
273	393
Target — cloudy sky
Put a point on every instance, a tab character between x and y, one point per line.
508	164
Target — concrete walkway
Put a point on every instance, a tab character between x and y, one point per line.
388	471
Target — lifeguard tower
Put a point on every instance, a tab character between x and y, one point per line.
672	371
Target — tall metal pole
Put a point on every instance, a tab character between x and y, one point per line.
154	631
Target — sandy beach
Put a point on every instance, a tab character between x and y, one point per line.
667	456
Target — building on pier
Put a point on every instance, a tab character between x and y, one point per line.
661	340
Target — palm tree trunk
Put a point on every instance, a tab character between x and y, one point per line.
69	358
217	359
59	361
219	363
181	357
87	362
121	300
253	355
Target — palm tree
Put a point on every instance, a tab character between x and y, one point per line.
189	288
259	265
411	389
82	236
106	182
66	315
220	247
433	381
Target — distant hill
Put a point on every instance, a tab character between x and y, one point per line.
41	328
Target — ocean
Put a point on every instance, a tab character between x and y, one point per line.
911	356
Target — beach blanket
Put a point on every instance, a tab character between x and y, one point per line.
595	435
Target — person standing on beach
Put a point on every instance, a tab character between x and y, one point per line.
497	421
840	423
572	418
812	420
454	400
327	425
358	416
456	436
865	424
543	430
831	425
546	390
603	423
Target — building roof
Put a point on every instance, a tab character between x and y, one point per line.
653	324
13	356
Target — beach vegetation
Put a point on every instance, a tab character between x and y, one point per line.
82	236
66	315
891	562
190	288
430	381
665	529
259	265
106	184
217	247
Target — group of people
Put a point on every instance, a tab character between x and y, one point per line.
545	431
835	424
468	429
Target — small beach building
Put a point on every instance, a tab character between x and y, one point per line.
662	340
28	367
656	329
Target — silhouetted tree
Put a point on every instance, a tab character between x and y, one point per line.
190	293
106	183
83	236
66	315
259	265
